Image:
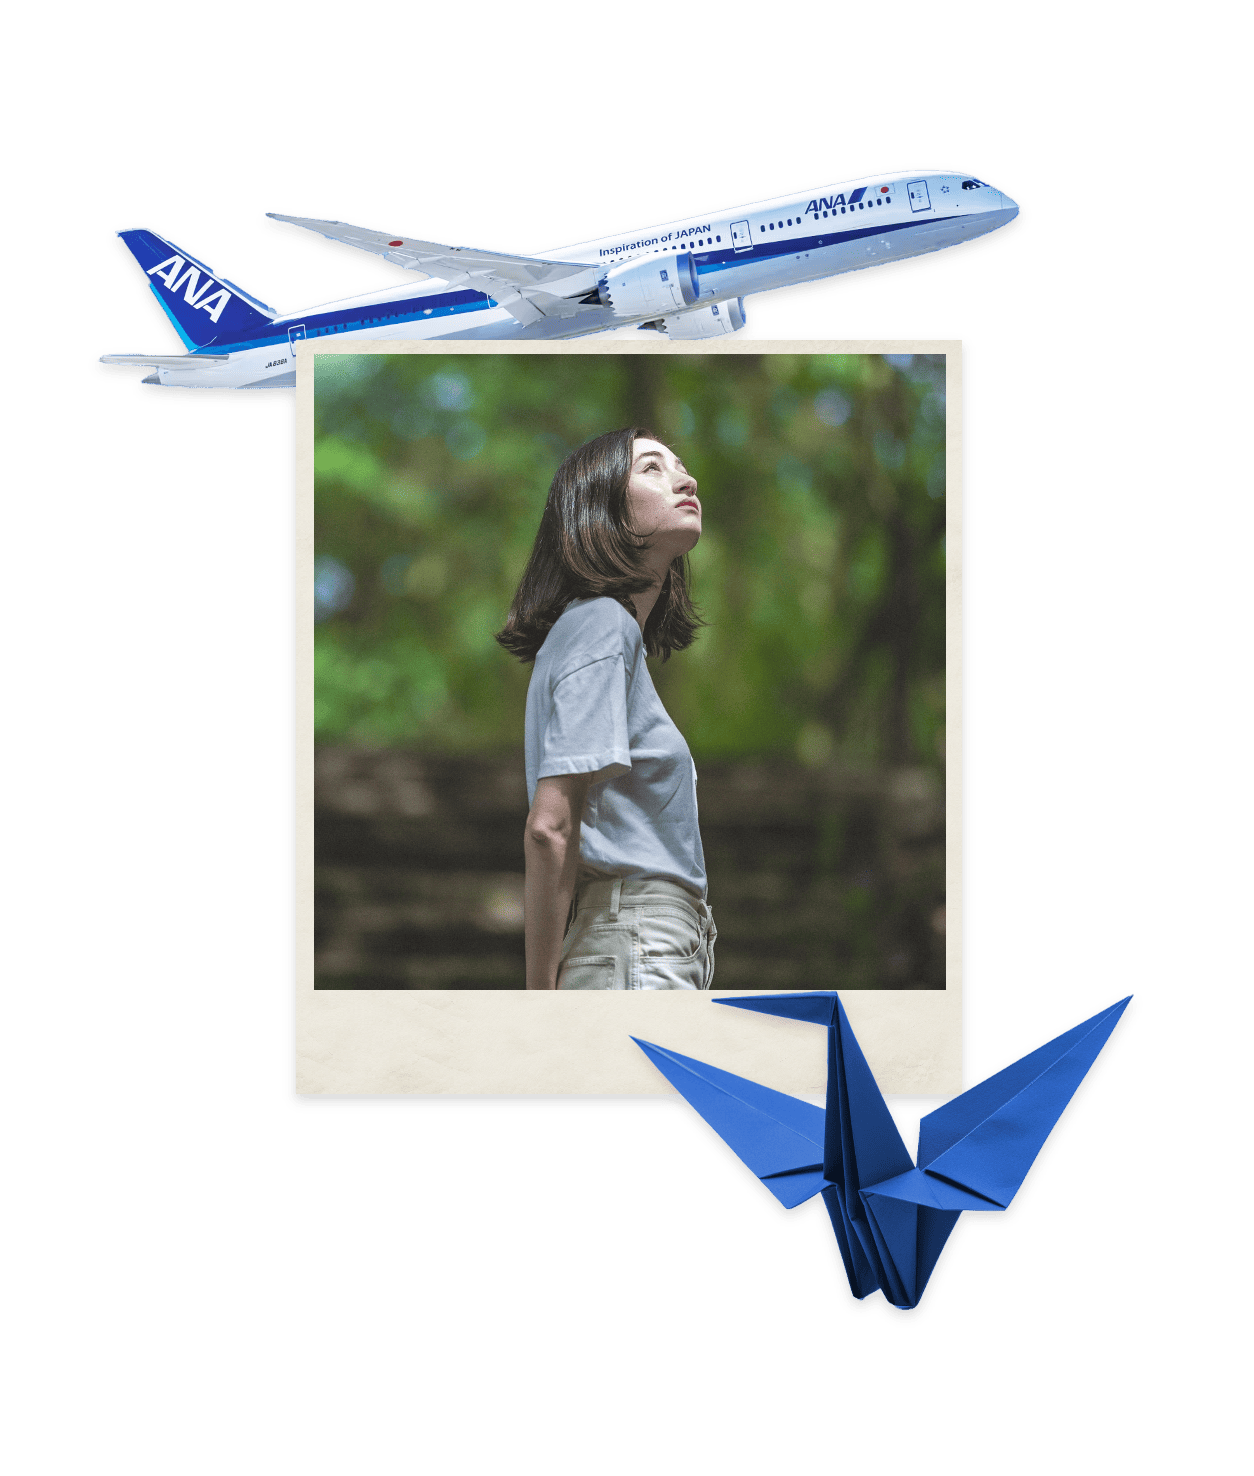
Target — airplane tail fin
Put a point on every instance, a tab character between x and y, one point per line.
205	309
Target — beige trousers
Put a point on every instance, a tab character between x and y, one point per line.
637	932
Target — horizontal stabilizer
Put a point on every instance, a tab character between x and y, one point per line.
164	361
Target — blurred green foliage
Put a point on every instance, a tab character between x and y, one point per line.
821	571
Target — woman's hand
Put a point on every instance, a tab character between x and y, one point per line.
551	850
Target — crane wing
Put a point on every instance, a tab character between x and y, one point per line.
987	1139
777	1136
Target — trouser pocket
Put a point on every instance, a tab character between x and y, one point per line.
651	944
592	971
675	949
596	955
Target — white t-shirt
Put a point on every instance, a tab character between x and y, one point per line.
592	709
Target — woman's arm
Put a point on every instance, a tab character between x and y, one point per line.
551	849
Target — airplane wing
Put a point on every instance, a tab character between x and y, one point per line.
164	361
512	280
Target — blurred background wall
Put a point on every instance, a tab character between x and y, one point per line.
813	702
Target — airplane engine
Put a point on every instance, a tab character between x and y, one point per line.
666	285
707	322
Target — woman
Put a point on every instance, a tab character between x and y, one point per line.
612	787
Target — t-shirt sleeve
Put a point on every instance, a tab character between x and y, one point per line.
587	728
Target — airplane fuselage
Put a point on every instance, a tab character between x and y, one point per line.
774	243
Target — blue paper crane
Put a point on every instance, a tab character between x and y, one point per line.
891	1219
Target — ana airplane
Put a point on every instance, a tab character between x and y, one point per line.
687	279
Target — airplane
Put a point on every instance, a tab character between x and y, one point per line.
686	279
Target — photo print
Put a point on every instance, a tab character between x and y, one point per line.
813	698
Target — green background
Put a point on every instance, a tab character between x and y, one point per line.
820	572
207	1281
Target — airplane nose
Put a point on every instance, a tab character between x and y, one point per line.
1008	205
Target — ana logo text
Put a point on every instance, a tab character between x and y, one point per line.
211	298
836	201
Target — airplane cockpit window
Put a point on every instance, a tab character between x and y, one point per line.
974	184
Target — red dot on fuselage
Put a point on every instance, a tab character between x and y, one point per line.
396	243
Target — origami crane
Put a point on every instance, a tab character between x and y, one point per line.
891	1218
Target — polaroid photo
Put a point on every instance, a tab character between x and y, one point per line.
819	697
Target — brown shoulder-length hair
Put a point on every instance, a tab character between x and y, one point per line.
586	548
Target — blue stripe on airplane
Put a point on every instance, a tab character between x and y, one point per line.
402	310
449	304
717	260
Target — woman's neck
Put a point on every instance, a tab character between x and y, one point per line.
643	602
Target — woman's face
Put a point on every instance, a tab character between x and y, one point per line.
662	499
